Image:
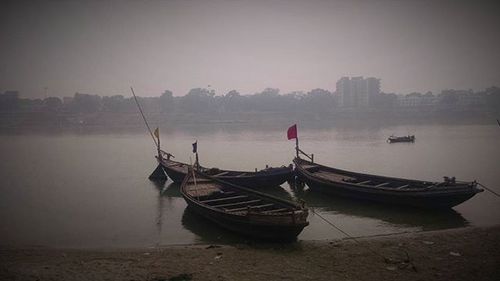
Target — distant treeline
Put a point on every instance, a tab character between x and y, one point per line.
204	102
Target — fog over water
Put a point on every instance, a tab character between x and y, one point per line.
57	48
234	75
91	189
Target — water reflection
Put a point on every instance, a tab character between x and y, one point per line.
159	183
277	191
207	231
41	209
171	190
395	215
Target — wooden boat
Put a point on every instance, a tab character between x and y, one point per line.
416	193
264	178
393	139
243	210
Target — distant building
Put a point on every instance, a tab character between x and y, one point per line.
417	100
344	91
468	99
373	89
357	91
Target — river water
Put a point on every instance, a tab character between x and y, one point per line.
90	189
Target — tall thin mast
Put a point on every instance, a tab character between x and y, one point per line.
297	145
157	143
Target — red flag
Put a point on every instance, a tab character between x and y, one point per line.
292	132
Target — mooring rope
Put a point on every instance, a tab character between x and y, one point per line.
489	189
349	236
405	263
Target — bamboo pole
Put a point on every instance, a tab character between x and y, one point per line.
157	144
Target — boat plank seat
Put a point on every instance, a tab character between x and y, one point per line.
204	185
403	186
227	192
224	199
250	207
199	181
174	165
216	195
334	177
241	175
201	193
307	167
237	203
202	190
275	210
382	184
364	182
221	174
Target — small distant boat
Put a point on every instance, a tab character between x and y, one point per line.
393	139
407	192
243	210
270	176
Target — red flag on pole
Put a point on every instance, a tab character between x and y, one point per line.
292	132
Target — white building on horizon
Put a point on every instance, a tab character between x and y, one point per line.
357	91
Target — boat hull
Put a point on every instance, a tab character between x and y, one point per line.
175	174
243	210
401	139
432	199
244	226
266	178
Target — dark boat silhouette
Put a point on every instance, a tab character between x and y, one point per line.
242	210
271	176
389	190
393	139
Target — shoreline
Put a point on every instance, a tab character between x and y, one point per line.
469	253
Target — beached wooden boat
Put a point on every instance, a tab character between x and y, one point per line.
263	178
243	210
393	139
416	193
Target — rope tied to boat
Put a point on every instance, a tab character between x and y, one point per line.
405	263
489	189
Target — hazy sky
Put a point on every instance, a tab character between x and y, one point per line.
103	47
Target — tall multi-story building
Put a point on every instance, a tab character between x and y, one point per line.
373	89
344	90
357	91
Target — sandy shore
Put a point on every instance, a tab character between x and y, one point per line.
459	254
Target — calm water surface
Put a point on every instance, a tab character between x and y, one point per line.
91	189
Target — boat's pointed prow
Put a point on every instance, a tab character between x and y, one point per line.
158	174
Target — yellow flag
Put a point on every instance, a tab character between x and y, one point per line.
157	133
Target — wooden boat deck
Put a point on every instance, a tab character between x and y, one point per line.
243	210
322	173
362	180
202	188
215	195
334	177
